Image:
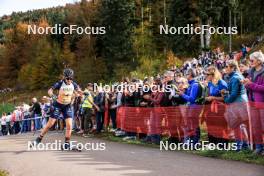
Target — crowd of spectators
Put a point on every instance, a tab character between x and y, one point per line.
211	77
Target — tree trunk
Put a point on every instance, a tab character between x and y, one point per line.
230	35
164	12
142	17
208	35
235	19
201	35
241	23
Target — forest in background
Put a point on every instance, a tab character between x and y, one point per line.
132	45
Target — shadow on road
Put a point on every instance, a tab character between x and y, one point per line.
125	159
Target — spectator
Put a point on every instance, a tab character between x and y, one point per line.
17	115
86	110
4	125
169	91
77	124
190	97
244	51
255	86
215	120
36	113
244	69
26	124
157	100
46	109
129	101
115	101
99	100
177	134
236	98
8	120
180	85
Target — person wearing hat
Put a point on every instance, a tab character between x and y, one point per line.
255	86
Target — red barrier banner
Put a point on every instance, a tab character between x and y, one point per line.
239	121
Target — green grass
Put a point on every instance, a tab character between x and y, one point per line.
3	173
109	136
243	156
6	108
18	97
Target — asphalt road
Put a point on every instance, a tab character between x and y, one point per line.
117	159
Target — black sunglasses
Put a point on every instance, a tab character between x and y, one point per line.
68	78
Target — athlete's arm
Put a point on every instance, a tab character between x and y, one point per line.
56	86
50	92
75	94
77	90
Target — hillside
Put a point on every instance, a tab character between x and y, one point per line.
132	44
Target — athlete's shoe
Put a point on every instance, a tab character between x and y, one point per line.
36	142
67	147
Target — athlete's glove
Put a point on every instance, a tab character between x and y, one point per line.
54	97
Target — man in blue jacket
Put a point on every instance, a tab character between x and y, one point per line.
190	96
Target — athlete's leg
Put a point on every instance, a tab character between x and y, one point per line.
44	130
67	113
61	125
68	122
48	126
55	115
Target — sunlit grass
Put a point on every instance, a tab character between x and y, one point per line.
6	108
3	173
244	156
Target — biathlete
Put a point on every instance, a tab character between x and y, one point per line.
62	106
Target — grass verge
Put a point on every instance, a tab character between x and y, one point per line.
6	108
3	173
243	156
